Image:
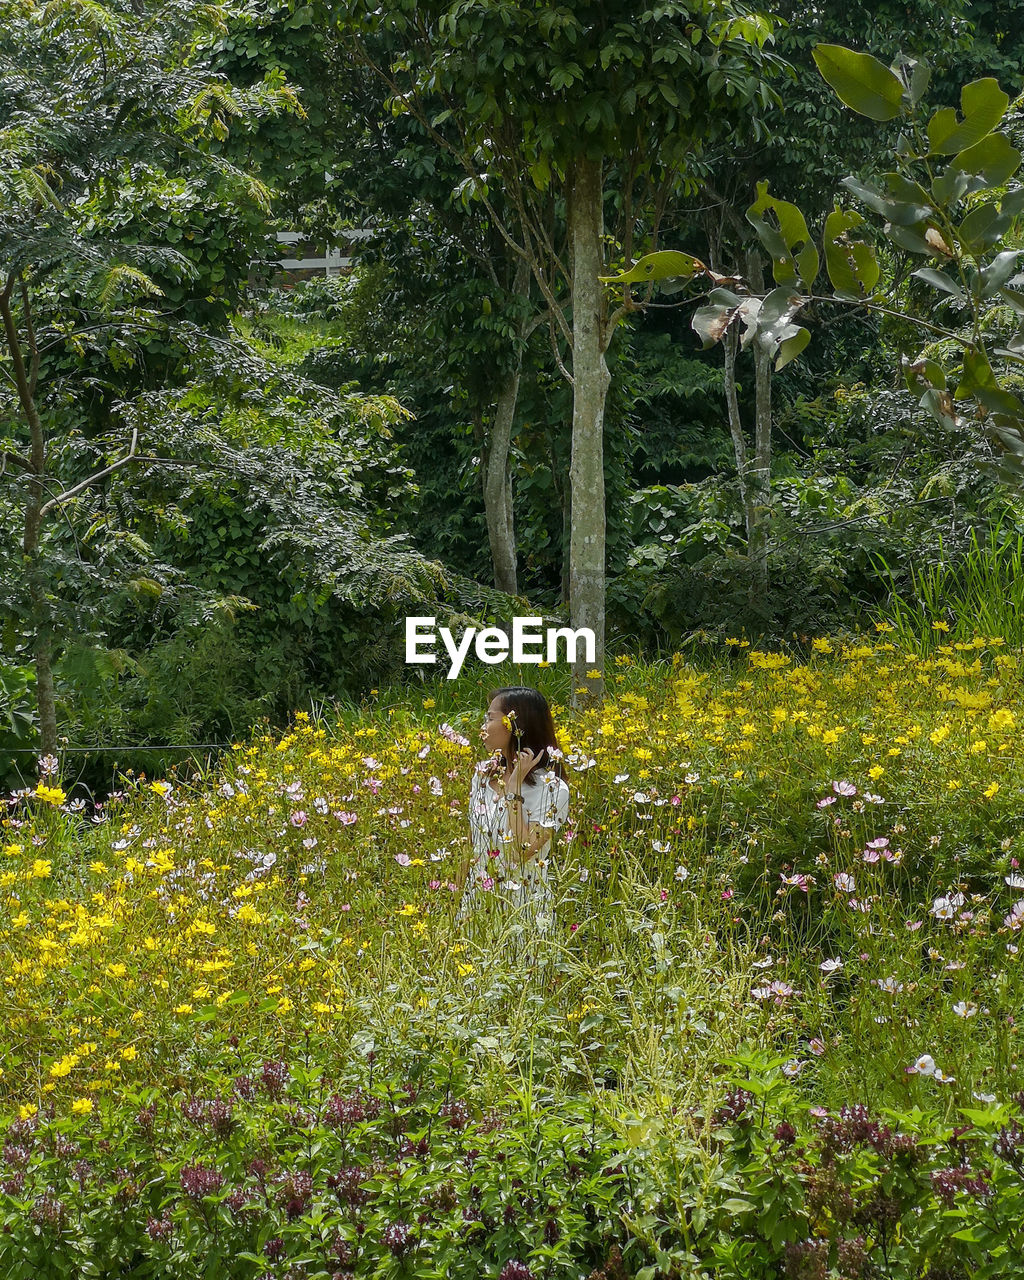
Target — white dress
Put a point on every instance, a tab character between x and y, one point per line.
495	879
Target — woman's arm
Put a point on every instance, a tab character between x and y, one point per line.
527	837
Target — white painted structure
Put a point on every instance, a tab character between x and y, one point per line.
333	262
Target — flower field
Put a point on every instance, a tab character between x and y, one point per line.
771	1028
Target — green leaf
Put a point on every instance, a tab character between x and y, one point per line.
851	264
784	234
983	227
791	346
983	104
951	184
998	272
911	204
979	381
668	264
993	158
923	374
939	280
909	238
861	81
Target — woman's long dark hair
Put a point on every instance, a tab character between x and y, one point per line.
532	727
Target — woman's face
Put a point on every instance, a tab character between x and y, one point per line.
494	733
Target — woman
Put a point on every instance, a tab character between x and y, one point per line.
517	800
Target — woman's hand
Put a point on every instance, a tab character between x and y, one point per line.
525	761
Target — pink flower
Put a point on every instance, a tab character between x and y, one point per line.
844	788
726	895
299	818
346	819
434	884
826	801
664	895
402	859
346	906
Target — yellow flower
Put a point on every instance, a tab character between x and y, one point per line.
183	1008
875	772
990	791
50	795
466	969
27	1110
978	746
82	1106
41	868
429	704
821	645
129	1053
953	785
1001	720
409	910
940	626
939	735
161	788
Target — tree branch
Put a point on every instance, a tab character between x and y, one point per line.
84	484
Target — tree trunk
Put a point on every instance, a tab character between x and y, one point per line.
761	472
498	506
590	388
498	485
754	471
39	618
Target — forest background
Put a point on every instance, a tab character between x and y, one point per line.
248	487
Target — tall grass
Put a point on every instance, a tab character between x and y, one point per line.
981	593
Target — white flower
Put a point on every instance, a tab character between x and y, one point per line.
1014	881
924	1066
965	1009
681	873
943	909
584	875
639	797
816	1046
423	752
620	777
793	1067
661	846
889	984
830	966
983	1097
692	778
942	1078
1012	921
844	882
766	963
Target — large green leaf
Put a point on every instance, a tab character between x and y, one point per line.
782	230
851	264
861	81
993	158
939	280
668	264
983	227
979	381
983	104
